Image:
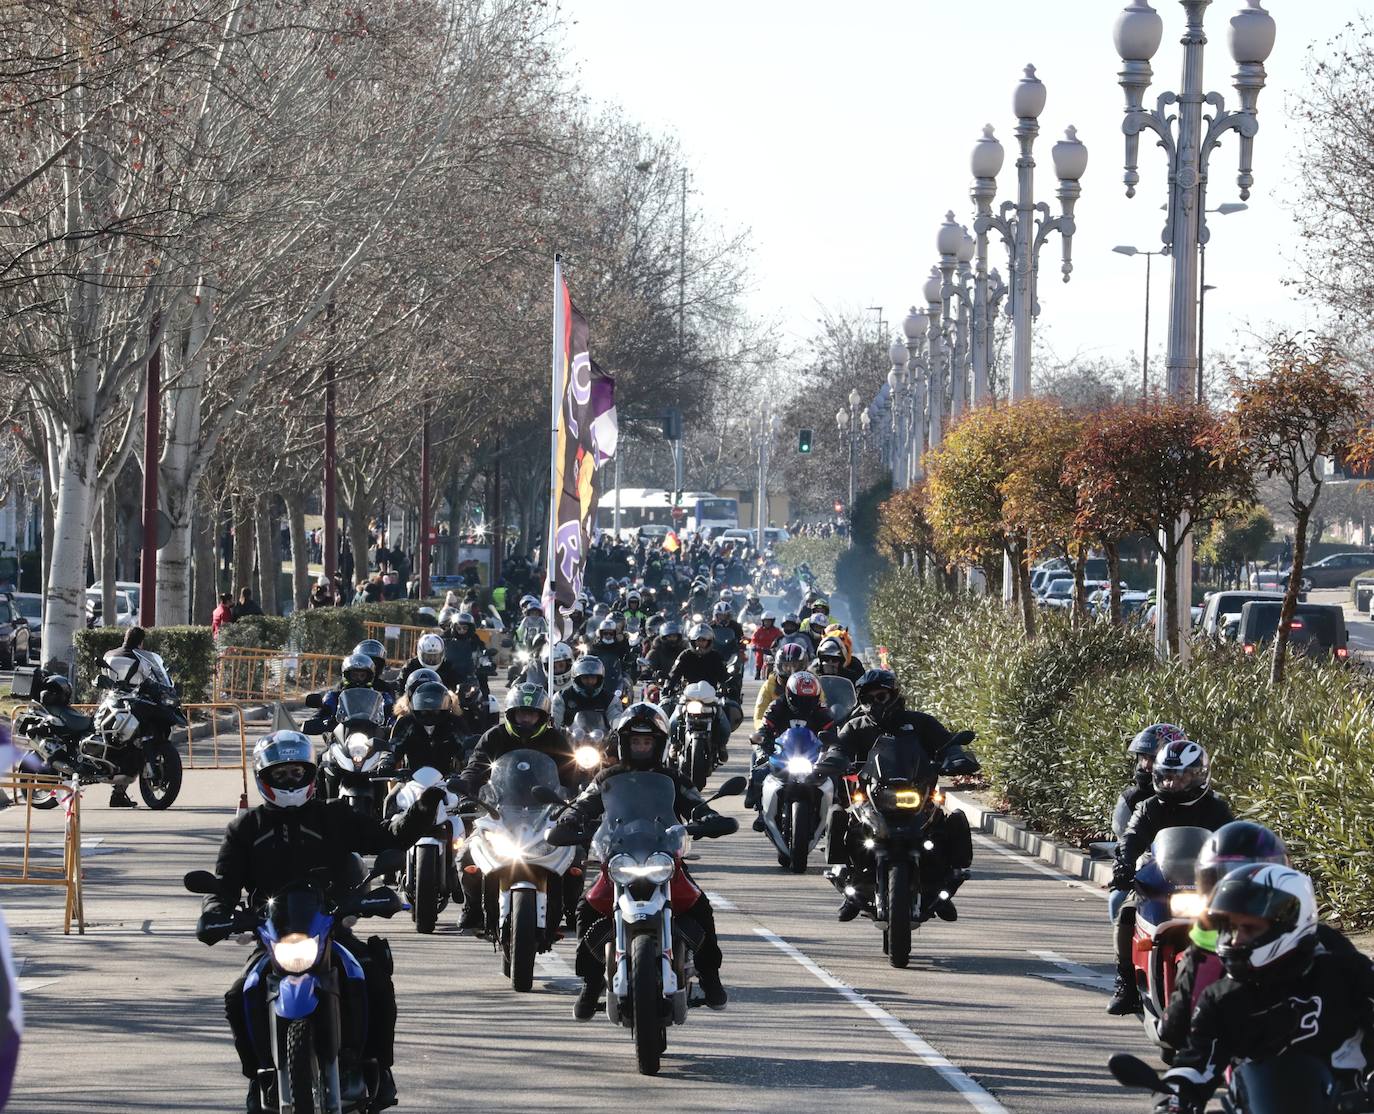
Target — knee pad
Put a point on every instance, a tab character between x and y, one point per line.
380	951
958	841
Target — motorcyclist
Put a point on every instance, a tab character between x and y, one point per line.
699	601
609	649
633	610
641	734
463	647
854	667
587	693
141	672
289	837
699	662
374	649
477	712
1183	796
1284	994
830	658
531	623
430	654
427	730
665	650
723	620
765	635
881	710
799	705
358	673
753	608
787	660
793	634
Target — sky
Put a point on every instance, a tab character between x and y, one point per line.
839	135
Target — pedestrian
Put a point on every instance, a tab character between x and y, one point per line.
247	605
224	613
322	595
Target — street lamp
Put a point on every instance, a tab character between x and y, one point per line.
914	327
896	383
1188	139
935	357
957	249
1016	222
1126	249
852	425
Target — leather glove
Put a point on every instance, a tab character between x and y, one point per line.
433	797
211	928
1123	877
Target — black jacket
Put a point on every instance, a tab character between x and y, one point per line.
780	716
448	672
415	747
573	700
498	741
692	667
1315	1012
662	658
1155	814
688	805
863	729
265	849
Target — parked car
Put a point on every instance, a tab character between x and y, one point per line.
131	588
1336	571
125	610
30	605
1133	603
1318	629
1060	591
14	634
1220	604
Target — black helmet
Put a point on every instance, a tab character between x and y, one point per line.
421	677
429	702
1153	737
358	669
375	650
642	718
589	665
520	701
1234	845
56	691
874	682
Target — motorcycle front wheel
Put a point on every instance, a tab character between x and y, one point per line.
159	783
646	996
524	931
698	761
427	867
899	914
300	1067
799	841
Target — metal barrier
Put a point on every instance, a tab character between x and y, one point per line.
399	640
68	875
236	756
249	676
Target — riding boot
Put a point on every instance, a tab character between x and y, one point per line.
593	983
1125	994
470	920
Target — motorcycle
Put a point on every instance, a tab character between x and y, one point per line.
306	996
894	807
130	722
431	873
357	760
795	803
1167	904
522	875
649	970
1285	1084
695	752
587	733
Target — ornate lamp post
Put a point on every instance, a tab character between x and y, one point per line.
901	424
956	249
1016	221
853	426
936	358
1188	137
914	327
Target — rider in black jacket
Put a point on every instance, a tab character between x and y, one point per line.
587	693
290	837
641	736
699	662
427	732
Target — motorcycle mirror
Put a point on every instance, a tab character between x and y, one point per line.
386	862
731	787
962	739
201	882
314	700
102	681
544	795
1131	1071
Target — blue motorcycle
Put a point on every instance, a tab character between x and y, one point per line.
796	804
305	998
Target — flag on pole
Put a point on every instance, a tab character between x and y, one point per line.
583	436
670	542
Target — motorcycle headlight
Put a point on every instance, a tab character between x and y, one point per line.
523	657
657	868
799	766
587	758
359	746
695	707
1187	904
296	952
503	847
897	798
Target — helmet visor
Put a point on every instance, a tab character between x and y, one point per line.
288	775
1188	780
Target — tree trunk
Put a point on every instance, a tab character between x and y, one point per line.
1290	596
1022	572
205	565
174	563
1080	605
65	611
243	544
358	539
1114	576
269	553
45	542
1171	552
300	550
105	559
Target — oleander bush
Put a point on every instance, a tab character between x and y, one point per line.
1054	716
189	653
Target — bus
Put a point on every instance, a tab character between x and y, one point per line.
651	510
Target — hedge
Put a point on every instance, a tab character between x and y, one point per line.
266	632
1054	716
336	630
821	554
188	651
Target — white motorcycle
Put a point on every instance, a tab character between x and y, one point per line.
522	875
431	876
699	712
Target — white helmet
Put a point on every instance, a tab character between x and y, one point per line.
430	650
562	666
284	768
1274	893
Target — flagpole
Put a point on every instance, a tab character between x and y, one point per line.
551	538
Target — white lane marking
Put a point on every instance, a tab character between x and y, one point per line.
88	847
1036	865
720	901
1071	971
31	983
966	1086
551	965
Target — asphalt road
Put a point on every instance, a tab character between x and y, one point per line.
1003	1010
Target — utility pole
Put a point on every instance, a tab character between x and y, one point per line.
147	592
331	522
424	503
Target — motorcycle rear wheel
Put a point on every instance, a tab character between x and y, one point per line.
524	932
899	914
39	798
799	837
646	996
427	867
161	789
300	1067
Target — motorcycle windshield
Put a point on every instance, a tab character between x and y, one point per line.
639	817
1175	852
298	908
799	742
154	667
892	759
361	704
839	696
513	779
589	726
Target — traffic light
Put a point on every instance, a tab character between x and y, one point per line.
672	424
804	441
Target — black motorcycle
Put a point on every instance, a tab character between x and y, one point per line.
126	737
894	835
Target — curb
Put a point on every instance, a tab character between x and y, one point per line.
1072	861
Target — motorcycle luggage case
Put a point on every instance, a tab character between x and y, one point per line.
23	684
